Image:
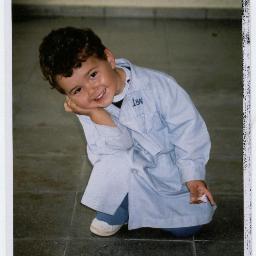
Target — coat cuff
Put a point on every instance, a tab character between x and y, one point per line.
191	171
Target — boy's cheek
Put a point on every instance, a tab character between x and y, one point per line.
81	103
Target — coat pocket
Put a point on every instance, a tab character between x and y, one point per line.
164	176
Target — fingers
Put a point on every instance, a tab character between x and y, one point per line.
67	105
67	108
199	193
70	106
201	197
196	198
196	189
210	197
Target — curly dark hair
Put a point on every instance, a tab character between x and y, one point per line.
64	49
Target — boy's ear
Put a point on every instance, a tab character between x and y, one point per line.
110	58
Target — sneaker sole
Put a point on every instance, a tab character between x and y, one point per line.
100	233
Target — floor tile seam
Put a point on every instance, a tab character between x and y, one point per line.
83	167
219	241
182	67
224	128
194	248
235	161
80	158
20	239
74	210
226	158
15	191
229	194
113	238
220	157
208	107
46	193
46	127
198	68
222	104
48	154
158	240
67	244
69	238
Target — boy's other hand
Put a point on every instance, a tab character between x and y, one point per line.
198	189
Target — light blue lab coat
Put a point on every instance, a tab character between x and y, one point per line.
160	142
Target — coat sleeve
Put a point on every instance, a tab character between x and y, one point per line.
108	151
104	140
186	128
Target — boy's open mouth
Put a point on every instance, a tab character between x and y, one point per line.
101	95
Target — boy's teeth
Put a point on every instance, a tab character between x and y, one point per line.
100	95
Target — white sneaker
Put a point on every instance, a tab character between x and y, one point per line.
102	228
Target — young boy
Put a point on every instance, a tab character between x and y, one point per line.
145	139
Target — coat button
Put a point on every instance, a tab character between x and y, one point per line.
134	171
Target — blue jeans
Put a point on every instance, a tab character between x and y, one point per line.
121	216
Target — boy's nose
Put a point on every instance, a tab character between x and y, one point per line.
92	89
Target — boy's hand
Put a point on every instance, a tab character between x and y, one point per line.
71	107
97	115
198	189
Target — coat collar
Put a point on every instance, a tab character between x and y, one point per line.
132	112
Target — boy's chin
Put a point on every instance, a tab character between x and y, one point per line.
106	105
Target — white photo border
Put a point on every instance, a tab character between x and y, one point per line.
6	152
249	127
249	122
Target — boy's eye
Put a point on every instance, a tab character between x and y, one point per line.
76	91
93	74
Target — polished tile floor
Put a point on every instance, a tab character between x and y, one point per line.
50	164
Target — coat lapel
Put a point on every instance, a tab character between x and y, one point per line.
136	113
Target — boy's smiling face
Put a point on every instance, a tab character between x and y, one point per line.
95	83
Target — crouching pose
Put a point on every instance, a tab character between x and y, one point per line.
145	139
